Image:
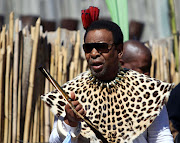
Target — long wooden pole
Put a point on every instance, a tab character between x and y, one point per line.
19	90
15	81
35	123
7	86
52	61
76	54
174	31
6	98
10	102
161	75
11	33
64	50
152	62
31	83
46	115
2	69
41	121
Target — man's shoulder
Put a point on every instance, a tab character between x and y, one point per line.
144	78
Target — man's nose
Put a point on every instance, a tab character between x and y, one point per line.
94	53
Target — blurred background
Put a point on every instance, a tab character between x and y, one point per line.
150	18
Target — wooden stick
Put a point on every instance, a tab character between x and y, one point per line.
59	55
15	81
60	66
41	121
11	29
11	32
51	86
33	30
31	83
172	66
64	51
51	120
174	30
161	73
76	55
6	98
7	93
27	52
52	64
72	70
46	90
34	137
46	115
176	78
2	71
31	131
158	63
0	40
38	120
19	89
56	60
10	100
57	49
167	65
152	62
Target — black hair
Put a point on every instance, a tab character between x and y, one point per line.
108	25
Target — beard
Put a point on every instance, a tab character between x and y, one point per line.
99	74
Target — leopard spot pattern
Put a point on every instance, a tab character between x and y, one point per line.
121	114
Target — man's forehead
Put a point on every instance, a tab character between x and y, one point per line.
99	35
100	30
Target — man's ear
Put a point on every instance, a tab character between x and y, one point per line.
120	50
120	55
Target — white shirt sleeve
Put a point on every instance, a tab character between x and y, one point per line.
54	137
61	129
159	131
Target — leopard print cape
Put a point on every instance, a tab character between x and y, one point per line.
120	114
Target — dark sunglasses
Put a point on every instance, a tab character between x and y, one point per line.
100	47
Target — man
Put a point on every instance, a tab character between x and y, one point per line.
121	104
173	108
136	56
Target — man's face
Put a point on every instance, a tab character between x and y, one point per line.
139	64
103	66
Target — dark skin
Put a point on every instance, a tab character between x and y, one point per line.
103	66
71	118
136	56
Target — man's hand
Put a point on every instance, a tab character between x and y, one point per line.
71	118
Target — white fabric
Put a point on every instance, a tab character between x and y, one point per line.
68	138
158	132
61	129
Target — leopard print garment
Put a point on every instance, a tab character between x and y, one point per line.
122	113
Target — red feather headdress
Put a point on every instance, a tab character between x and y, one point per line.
89	15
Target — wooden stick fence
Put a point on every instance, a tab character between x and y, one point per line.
163	60
24	117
